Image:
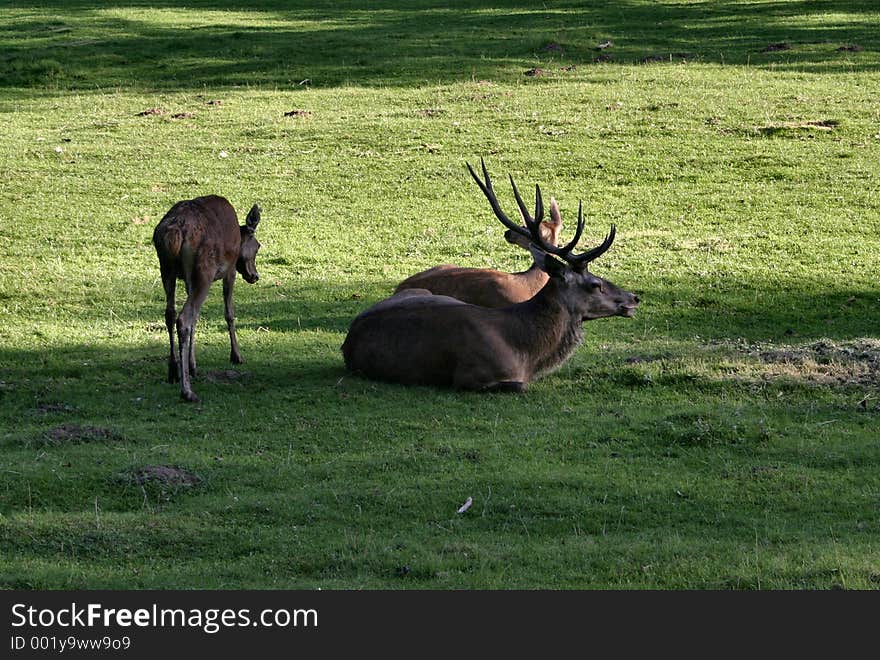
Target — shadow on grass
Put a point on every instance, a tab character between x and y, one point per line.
158	45
293	338
709	309
679	309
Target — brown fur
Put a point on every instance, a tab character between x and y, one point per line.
200	241
422	339
486	287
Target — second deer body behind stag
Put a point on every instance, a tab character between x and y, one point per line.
200	241
485	286
415	337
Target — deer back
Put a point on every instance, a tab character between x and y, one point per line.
488	287
200	233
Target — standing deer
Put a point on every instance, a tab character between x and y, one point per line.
415	337
200	241
487	287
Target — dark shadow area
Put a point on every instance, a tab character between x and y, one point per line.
158	45
677	309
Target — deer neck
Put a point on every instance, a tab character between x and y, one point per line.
546	330
531	280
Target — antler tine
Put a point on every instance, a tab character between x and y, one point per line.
539	205
565	251
580	259
597	251
493	200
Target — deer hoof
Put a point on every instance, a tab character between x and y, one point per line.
190	396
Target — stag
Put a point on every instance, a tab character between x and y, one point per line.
416	337
200	241
487	287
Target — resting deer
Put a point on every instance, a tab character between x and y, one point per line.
487	287
200	241
415	337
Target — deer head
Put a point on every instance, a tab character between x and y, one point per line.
586	295
247	256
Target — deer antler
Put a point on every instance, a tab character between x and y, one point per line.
532	231
489	192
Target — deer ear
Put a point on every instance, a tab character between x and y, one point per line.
555	215
253	218
550	265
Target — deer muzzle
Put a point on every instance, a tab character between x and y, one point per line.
627	307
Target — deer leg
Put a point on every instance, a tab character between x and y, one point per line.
487	378
228	282
504	373
191	355
192	347
186	322
169	282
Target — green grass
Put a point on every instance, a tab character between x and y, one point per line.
726	437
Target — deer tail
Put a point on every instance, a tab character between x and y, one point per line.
169	241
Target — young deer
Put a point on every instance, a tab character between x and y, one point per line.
199	241
415	337
487	287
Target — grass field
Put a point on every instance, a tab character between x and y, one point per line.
726	437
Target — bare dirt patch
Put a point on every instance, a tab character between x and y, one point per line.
684	57
150	111
776	47
825	362
850	48
163	475
67	434
534	73
298	112
183	115
806	125
430	112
